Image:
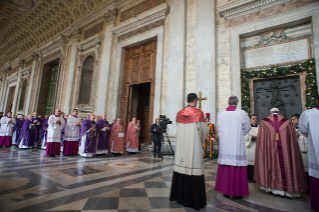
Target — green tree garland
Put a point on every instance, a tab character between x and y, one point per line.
275	71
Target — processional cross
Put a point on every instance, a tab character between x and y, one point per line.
200	99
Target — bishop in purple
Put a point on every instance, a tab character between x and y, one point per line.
88	137
37	127
26	137
44	131
17	129
103	135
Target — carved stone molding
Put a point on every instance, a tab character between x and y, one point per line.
12	78
243	7
97	39
146	18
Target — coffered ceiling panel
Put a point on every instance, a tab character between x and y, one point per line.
37	22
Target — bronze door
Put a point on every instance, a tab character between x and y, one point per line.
283	93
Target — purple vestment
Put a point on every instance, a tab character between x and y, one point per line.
103	142
17	127
90	142
44	128
27	134
37	128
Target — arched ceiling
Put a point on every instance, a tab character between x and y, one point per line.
37	21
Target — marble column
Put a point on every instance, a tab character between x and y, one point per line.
69	83
15	98
206	54
176	62
30	83
105	69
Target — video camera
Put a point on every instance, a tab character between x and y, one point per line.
164	122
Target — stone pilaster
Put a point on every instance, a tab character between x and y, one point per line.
105	62
35	58
176	61
72	64
206	54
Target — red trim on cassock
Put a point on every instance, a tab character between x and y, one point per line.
190	115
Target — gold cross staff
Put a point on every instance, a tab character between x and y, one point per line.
200	99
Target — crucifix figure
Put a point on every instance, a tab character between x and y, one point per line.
274	88
200	99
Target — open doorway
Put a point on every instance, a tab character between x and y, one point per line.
139	107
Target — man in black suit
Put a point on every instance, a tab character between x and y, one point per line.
157	135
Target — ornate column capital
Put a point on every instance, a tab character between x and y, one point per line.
35	56
110	15
76	34
21	63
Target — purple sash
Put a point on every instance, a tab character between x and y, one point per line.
276	125
317	108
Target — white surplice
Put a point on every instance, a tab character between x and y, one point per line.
189	141
232	126
6	127
303	145
251	145
54	129
309	127
72	132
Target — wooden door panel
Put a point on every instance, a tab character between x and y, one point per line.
139	67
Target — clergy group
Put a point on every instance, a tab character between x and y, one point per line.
280	155
69	134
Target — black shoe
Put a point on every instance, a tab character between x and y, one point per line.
237	197
227	196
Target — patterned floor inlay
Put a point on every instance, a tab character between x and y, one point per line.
31	182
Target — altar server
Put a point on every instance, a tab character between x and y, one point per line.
103	135
72	134
232	124
26	139
131	139
309	127
278	164
188	183
56	124
7	124
88	137
16	129
117	138
303	143
250	141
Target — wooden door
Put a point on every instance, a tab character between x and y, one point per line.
139	68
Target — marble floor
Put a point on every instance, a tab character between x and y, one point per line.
29	181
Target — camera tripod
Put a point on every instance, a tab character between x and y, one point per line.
166	137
